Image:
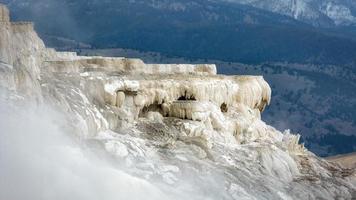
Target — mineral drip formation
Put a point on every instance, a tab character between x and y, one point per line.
182	125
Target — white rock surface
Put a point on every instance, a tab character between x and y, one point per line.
183	126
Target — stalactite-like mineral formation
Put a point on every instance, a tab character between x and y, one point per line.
170	122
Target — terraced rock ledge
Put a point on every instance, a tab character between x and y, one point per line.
170	122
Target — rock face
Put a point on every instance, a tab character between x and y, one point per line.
4	14
315	12
21	48
169	122
70	62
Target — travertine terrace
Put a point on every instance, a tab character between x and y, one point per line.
150	116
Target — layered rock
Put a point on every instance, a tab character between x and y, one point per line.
185	117
4	14
21	48
70	62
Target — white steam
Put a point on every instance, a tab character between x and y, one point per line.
40	161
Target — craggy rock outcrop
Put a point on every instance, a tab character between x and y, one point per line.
21	48
4	14
171	121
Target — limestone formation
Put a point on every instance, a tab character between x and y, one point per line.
173	121
76	64
4	14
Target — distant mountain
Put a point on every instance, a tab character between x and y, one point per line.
316	12
189	28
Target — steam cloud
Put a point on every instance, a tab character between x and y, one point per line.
39	160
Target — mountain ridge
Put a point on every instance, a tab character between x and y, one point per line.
227	31
323	13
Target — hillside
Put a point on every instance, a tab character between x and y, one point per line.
347	161
320	13
191	29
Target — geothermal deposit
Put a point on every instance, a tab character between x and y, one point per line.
75	127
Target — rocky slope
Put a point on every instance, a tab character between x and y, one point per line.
315	12
182	130
192	29
347	161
